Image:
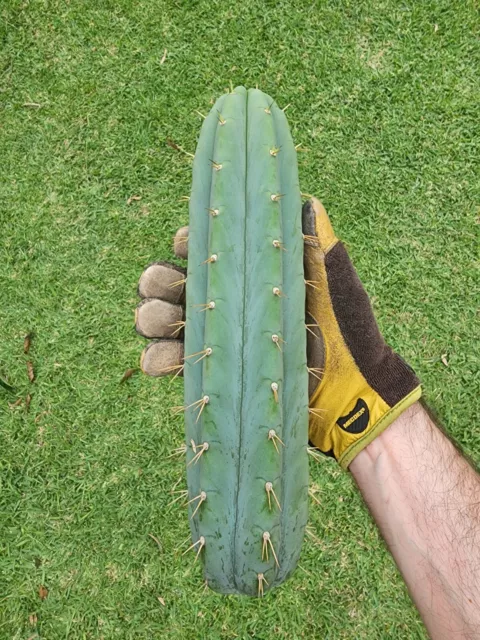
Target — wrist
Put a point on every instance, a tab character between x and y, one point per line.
389	473
379	426
413	422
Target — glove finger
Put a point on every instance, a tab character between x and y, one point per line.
163	280
317	228
315	353
156	318
319	238
381	367
180	243
328	267
162	358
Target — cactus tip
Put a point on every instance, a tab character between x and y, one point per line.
307	326
269	489
203	354
177	283
197	405
274	387
272	435
176	367
261	579
278	245
216	165
212	258
206	305
180	324
265	537
312	283
178	451
267	540
198	454
316	412
202	496
268	109
315	372
204	402
312	451
182	494
277	340
201	542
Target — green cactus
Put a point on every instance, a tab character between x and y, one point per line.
246	397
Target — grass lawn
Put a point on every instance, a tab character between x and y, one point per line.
384	95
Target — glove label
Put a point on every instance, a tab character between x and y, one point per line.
357	420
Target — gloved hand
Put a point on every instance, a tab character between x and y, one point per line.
357	384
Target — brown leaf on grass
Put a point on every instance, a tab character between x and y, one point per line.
161	600
164	57
18	402
443	358
312	491
27	341
173	145
177	147
40	416
30	371
311	534
156	540
133	199
28	399
42	592
32	618
5	385
128	374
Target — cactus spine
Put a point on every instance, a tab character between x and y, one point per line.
246	386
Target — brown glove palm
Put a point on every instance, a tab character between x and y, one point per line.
357	384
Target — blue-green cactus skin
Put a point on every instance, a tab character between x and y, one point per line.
245	210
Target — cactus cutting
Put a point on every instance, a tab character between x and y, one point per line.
246	378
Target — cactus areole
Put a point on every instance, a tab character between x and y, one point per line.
246	387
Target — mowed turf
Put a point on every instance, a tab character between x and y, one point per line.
384	97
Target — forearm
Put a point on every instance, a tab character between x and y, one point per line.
425	498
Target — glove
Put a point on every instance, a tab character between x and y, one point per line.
365	385
357	384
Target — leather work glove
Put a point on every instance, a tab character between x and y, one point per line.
357	385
